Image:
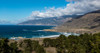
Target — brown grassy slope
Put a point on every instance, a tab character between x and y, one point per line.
87	23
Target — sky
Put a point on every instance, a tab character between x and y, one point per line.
16	11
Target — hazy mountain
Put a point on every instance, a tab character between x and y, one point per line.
89	22
49	21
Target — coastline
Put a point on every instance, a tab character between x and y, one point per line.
65	32
72	30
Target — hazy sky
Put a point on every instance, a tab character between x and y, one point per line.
14	10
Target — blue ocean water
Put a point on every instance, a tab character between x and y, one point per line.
8	31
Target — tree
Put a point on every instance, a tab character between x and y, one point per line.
47	42
4	47
61	44
29	46
14	48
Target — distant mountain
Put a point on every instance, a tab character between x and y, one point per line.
89	23
49	21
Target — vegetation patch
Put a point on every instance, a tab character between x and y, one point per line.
84	43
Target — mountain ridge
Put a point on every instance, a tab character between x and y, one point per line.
49	21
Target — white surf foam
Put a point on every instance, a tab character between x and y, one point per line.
50	36
64	33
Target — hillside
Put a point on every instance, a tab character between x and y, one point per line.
89	22
49	21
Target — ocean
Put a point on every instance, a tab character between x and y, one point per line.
26	31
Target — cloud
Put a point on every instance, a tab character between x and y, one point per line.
52	12
74	7
5	22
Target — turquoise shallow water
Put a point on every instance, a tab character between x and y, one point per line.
8	31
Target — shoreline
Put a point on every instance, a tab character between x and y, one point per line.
65	32
43	37
79	31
